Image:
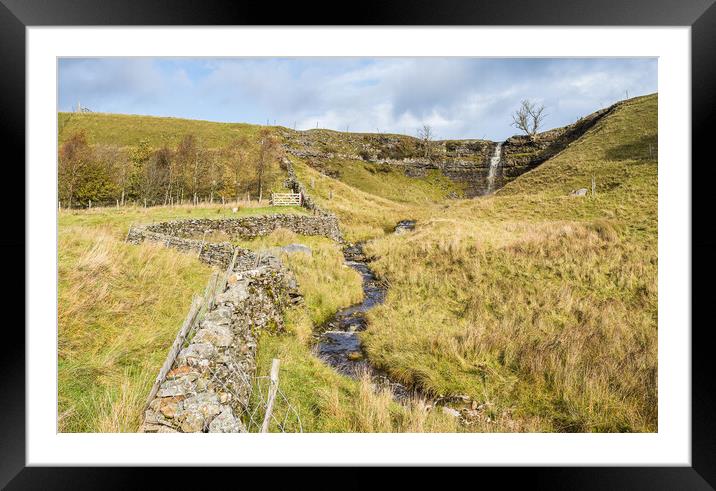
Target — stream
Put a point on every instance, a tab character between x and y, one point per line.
339	343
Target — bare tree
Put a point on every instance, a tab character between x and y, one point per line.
426	137
529	117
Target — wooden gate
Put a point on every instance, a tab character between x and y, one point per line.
286	199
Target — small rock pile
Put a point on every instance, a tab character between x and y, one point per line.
209	387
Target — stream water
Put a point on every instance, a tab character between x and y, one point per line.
339	342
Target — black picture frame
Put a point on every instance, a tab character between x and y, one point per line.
16	15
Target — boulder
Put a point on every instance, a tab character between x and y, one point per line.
579	192
297	248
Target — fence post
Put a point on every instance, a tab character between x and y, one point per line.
201	247
593	186
176	347
129	232
273	388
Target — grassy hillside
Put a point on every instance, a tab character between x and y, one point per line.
119	309
539	305
386	181
128	129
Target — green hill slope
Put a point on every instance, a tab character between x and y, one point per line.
127	130
615	152
538	305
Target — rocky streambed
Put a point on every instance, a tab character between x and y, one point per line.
338	340
339	344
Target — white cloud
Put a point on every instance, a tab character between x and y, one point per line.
459	97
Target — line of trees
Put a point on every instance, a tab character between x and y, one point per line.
188	173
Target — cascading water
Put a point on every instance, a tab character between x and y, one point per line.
494	164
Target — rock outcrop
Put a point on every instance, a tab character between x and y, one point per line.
463	161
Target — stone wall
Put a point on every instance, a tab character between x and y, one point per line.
181	235
251	226
296	186
217	254
209	386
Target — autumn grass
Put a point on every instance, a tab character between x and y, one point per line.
540	305
119	309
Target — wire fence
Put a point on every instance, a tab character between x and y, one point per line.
258	400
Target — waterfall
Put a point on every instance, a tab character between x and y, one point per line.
494	164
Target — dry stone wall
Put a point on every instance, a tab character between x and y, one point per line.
216	254
296	186
179	234
209	387
251	226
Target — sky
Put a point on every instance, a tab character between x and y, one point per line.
457	97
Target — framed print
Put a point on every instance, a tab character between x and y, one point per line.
439	237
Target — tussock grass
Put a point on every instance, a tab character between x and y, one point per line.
540	305
329	402
119	308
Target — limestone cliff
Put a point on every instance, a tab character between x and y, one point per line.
463	161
